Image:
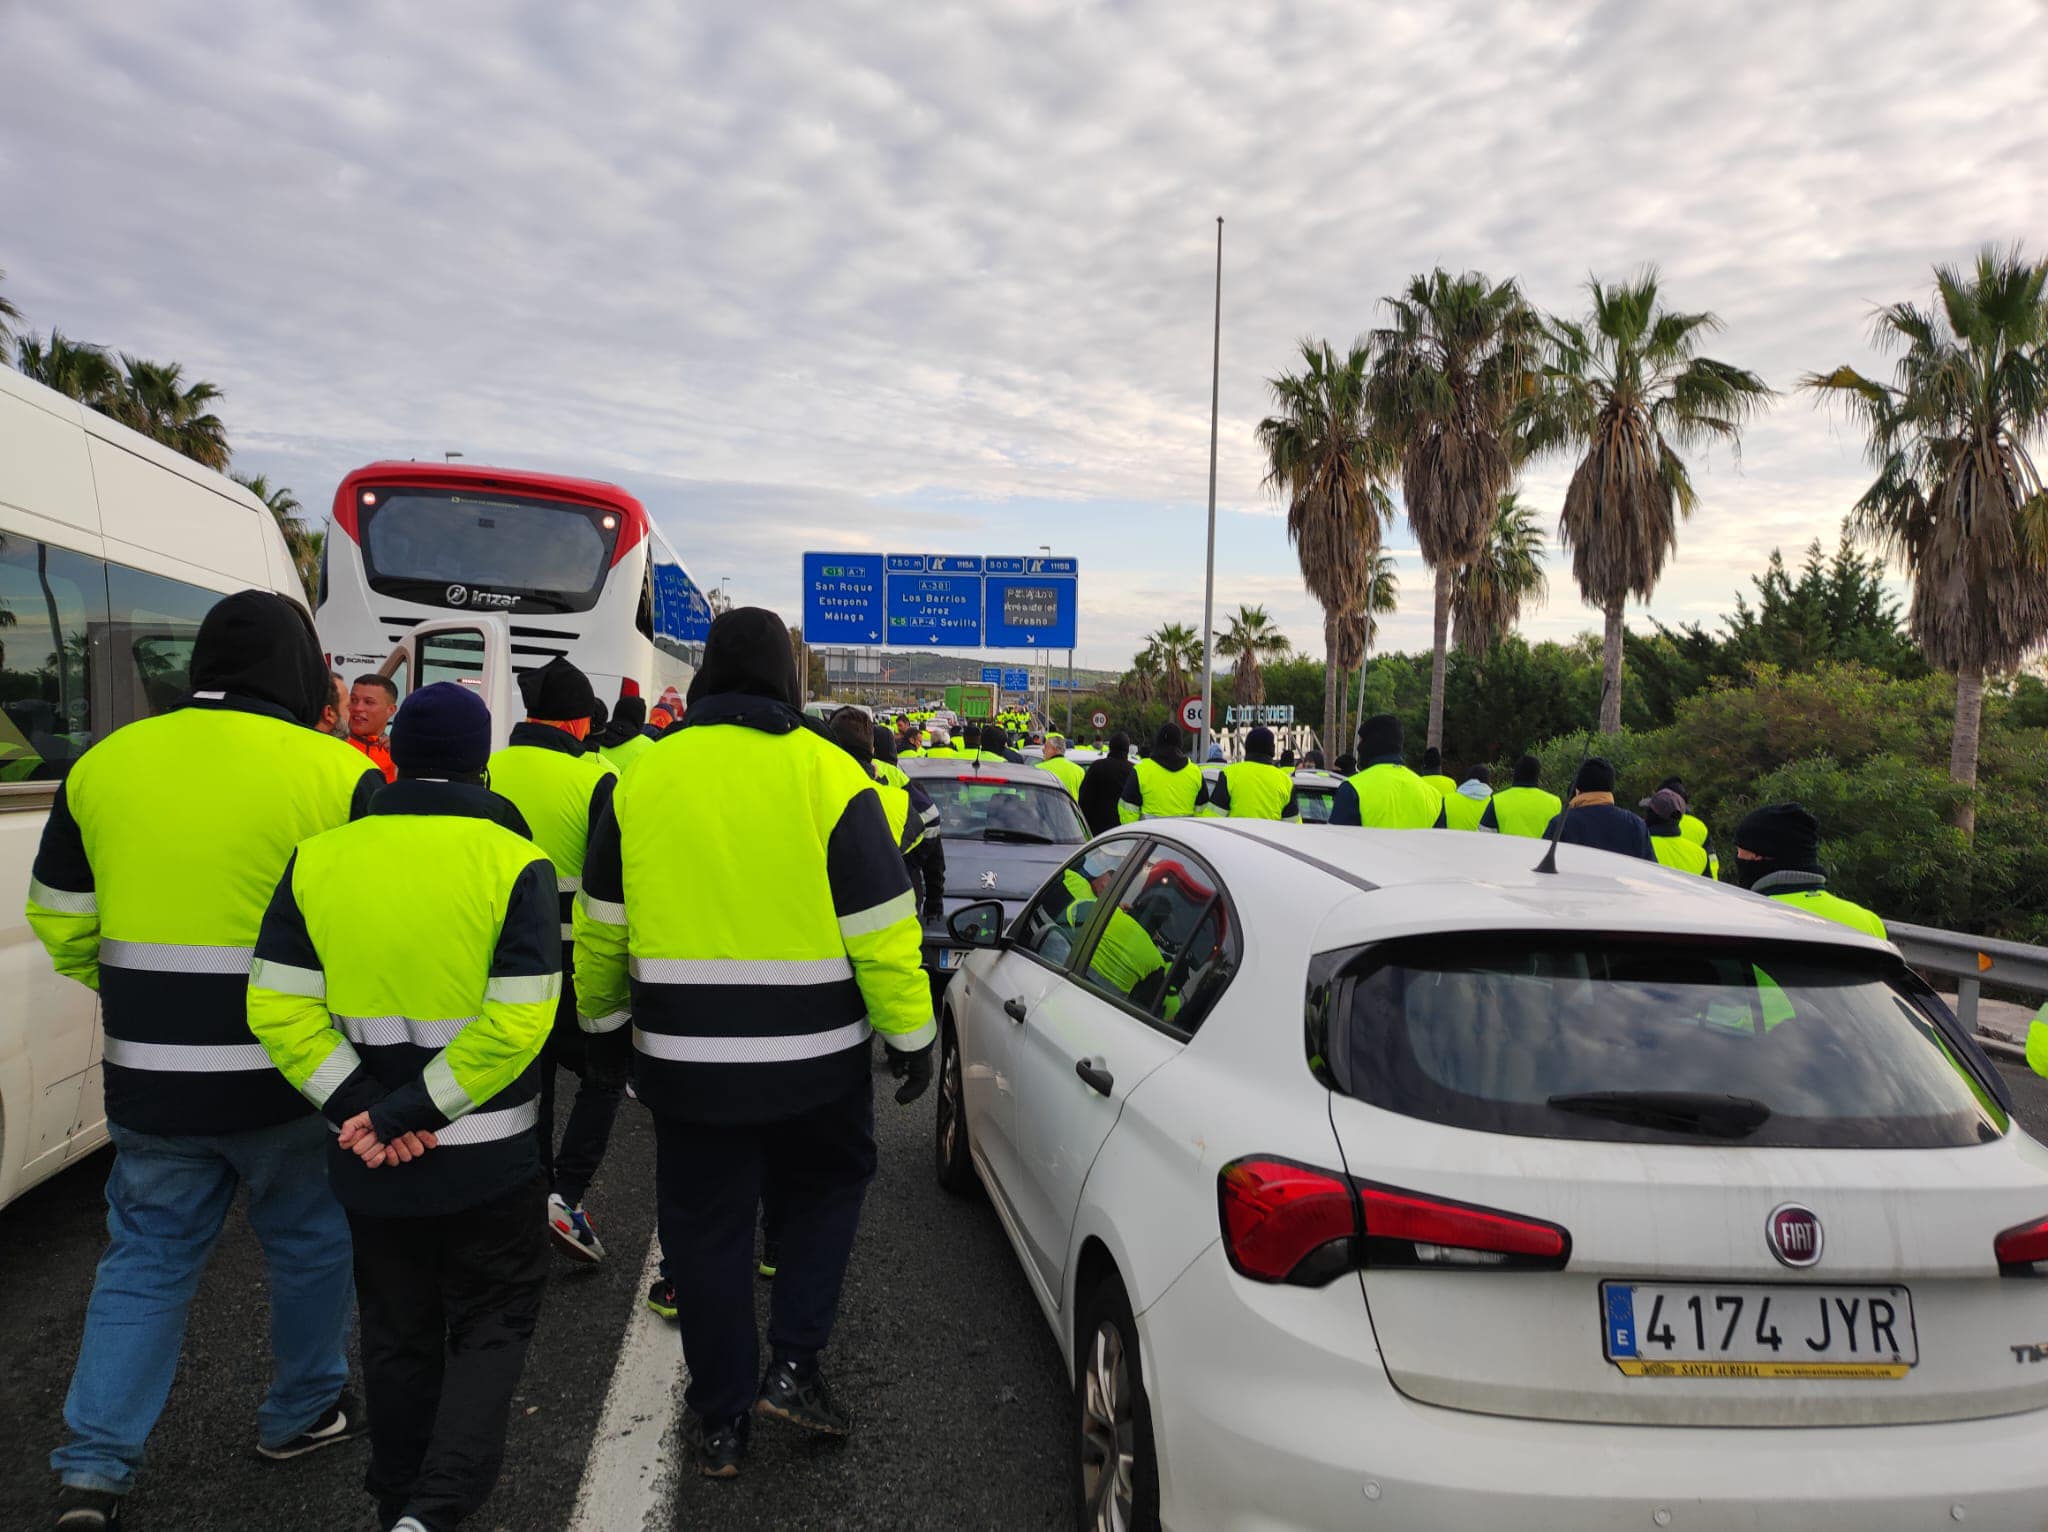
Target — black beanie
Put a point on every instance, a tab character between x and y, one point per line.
1528	771
1783	834
443	730
1432	761
259	644
1596	775
1258	745
1379	737
558	692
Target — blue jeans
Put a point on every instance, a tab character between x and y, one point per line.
166	1201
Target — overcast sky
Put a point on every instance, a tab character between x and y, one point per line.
927	277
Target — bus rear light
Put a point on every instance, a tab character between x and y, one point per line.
629	687
369	497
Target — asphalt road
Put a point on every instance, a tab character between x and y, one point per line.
954	1380
941	1354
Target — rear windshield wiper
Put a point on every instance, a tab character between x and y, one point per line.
1018	837
1674	1111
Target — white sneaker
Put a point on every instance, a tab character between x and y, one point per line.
408	1524
572	1230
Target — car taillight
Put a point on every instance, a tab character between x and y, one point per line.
2023	1251
1284	1222
1404	1228
628	687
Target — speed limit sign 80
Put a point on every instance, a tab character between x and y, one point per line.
1191	714
1100	720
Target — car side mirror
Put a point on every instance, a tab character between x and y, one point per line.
977	925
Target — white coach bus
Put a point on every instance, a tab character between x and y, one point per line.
112	548
575	567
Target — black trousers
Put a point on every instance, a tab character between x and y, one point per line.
709	1180
588	1132
447	1307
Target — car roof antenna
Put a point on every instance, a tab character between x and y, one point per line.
1549	862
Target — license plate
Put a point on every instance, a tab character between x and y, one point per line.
951	958
1691	1330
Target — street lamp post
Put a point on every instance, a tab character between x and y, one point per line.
1209	585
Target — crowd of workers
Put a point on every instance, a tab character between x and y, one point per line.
377	1069
374	1065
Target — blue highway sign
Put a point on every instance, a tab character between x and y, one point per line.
843	598
1016	680
931	611
992	674
1032	610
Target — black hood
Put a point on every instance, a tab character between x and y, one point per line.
628	718
1170	760
748	653
257	644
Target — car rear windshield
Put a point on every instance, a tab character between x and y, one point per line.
1647	1041
996	809
1316	803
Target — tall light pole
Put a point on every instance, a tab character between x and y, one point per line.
1209	584
1045	693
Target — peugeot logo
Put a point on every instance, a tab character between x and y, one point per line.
988	880
457	594
1793	1233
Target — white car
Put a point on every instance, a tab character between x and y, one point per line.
1376	1179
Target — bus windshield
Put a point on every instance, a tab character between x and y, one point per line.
493	551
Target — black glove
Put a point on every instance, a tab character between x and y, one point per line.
914	1069
605	1056
934	913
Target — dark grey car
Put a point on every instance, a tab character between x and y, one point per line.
1007	829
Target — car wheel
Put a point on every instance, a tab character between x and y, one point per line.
1117	1473
955	1164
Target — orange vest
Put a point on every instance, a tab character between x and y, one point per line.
379	752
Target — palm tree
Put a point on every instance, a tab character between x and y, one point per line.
1360	628
9	317
1249	642
78	369
1179	649
1459	354
1957	496
1626	388
303	542
156	400
1141	681
1324	459
1488	601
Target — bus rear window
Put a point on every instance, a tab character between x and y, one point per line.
486	552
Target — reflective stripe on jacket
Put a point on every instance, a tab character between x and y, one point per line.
754	974
1255	790
1521	811
1388	796
410	966
1153	792
156	863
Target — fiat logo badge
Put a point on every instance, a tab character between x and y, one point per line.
1793	1233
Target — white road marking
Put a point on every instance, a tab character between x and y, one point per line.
629	1480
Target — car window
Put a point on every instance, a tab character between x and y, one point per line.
1647	1040
53	605
1170	945
995	808
1315	802
1053	925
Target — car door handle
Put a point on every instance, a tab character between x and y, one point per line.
1014	1008
1098	1077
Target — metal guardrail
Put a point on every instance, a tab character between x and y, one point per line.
1970	960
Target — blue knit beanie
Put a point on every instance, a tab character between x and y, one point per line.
443	730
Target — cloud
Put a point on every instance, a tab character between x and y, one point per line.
856	272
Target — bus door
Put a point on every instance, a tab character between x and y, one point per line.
473	651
